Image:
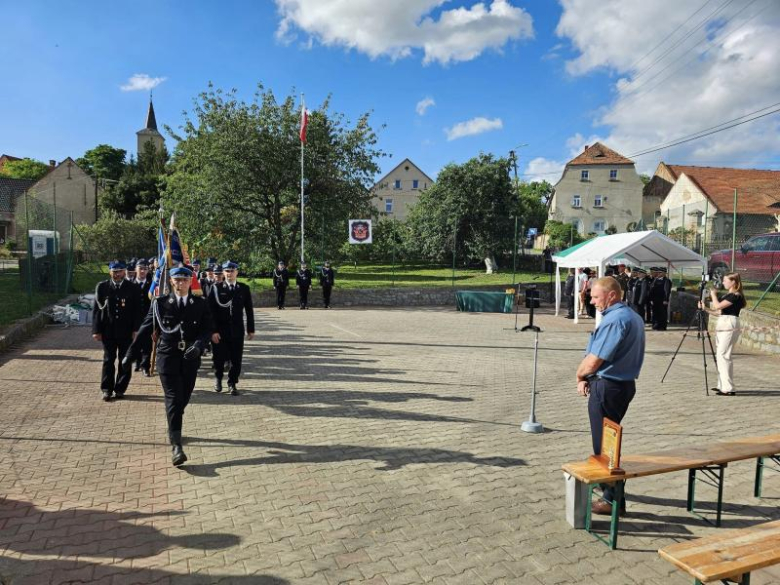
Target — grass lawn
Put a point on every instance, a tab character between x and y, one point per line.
378	276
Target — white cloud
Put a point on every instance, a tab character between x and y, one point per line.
398	28
473	126
543	169
723	70
142	82
423	105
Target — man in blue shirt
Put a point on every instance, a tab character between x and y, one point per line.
611	365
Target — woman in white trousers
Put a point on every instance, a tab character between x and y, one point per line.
726	330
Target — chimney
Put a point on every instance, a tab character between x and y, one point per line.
586	147
52	162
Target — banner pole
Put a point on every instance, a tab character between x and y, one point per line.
303	106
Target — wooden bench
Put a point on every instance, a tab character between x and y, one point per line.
729	556
710	459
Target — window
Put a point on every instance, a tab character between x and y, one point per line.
613	175
585	176
598	201
397	184
577	225
388	205
576	201
415	184
599	226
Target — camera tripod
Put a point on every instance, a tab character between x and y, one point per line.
702	333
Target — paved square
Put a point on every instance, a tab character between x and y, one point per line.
368	445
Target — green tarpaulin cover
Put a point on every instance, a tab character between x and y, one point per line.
484	302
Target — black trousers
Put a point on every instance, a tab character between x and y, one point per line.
303	293
281	291
648	312
570	305
178	391
660	315
326	290
114	350
229	349
145	353
608	398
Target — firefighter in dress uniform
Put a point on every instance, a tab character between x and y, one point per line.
182	324
281	279
327	278
303	281
229	302
660	293
116	316
639	292
144	284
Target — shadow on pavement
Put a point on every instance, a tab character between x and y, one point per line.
393	458
85	532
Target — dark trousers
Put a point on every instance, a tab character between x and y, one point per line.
648	315
608	398
660	315
570	306
303	293
639	310
178	390
229	349
111	380
145	353
281	291
326	290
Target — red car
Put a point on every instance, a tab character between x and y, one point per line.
757	260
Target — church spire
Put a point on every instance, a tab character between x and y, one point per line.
151	121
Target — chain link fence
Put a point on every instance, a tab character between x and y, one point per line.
744	238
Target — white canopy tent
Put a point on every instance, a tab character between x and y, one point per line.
649	248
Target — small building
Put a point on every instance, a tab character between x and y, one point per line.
700	203
149	133
70	189
399	190
599	192
11	192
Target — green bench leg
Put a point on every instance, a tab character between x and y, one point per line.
614	525
761	463
715	473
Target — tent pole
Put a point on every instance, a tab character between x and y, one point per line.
576	295
557	289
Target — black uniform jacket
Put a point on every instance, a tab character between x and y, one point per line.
661	289
121	313
327	277
197	326
303	278
639	293
146	302
281	277
230	320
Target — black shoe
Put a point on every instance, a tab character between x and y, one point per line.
137	368
218	385
233	389
119	395
178	457
719	393
302	307
147	373
106	396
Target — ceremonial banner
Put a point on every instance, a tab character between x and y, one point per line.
360	231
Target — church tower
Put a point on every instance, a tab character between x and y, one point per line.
150	132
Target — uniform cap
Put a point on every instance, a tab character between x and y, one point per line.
143	262
181	272
230	265
661	269
117	265
281	262
196	262
218	269
639	270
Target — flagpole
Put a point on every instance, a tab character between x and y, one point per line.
303	109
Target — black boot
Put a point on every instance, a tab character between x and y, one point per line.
218	385
233	389
177	456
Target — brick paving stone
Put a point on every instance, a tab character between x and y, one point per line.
368	445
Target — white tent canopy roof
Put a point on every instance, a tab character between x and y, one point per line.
649	248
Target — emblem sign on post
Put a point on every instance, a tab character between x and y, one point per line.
360	231
611	438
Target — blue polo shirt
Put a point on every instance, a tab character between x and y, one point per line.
619	340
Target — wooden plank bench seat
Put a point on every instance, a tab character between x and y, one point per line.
711	459
729	556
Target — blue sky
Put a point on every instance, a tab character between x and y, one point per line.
540	72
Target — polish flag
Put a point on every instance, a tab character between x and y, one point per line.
304	122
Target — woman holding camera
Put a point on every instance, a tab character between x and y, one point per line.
727	329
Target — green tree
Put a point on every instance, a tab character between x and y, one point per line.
113	236
236	175
534	198
562	235
472	206
103	161
27	168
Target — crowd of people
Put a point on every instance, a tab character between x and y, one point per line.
204	313
647	294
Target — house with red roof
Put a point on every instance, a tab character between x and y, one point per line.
702	200
599	191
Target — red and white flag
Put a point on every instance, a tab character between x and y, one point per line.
304	122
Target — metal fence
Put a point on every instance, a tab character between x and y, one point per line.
744	238
49	261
